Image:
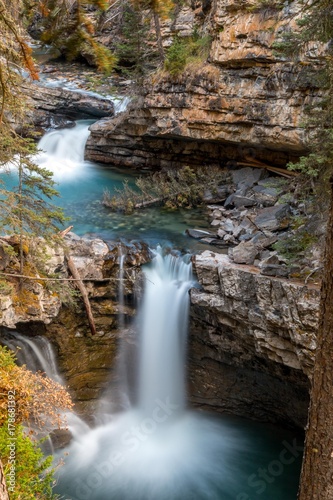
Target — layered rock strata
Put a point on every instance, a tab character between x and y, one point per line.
245	104
59	107
252	341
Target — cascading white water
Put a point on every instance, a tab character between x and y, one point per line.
121	304
37	354
62	151
156	450
163	332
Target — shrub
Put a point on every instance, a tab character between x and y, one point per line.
26	397
184	51
33	472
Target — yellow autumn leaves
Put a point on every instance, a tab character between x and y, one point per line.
38	399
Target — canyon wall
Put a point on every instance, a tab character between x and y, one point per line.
251	337
84	360
243	103
252	341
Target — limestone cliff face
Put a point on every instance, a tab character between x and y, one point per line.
252	341
244	103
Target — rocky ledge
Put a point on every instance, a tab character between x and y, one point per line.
252	341
261	220
244	103
55	107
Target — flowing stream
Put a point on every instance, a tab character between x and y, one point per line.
81	185
157	448
37	354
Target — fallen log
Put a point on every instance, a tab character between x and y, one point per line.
63	233
251	162
149	203
84	293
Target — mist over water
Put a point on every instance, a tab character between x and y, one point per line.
158	449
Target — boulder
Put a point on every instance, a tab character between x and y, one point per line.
278	270
248	176
228	226
242	201
216	196
245	253
273	218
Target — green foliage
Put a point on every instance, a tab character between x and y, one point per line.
7	358
27	210
307	165
135	53
316	25
25	396
184	51
5	287
261	5
160	7
173	189
294	246
33	472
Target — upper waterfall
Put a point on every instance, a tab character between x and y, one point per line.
62	151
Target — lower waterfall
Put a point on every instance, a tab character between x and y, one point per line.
160	450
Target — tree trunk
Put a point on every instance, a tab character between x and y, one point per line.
3	488
21	223
317	469
158	36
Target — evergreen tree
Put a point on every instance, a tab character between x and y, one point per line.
134	52
26	210
316	25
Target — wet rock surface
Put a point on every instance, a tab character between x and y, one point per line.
60	107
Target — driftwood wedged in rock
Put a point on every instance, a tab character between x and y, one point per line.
280	171
79	283
84	293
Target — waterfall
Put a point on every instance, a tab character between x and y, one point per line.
62	151
121	301
37	354
117	395
163	332
156	449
